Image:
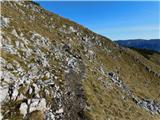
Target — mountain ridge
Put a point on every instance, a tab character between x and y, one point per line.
55	69
151	44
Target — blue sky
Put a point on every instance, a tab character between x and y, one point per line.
116	20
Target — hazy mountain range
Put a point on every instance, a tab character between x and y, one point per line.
152	44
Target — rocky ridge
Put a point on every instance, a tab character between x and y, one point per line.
55	69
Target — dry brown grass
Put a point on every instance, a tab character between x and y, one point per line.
103	103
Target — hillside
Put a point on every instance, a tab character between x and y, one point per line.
149	54
55	69
153	44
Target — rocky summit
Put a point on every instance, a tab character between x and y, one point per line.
55	69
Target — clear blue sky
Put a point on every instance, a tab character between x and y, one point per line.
116	20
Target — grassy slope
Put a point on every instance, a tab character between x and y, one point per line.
102	102
108	103
149	54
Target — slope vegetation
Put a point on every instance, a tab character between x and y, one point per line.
55	69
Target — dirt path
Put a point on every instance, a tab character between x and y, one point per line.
74	98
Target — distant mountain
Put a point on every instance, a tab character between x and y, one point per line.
152	44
